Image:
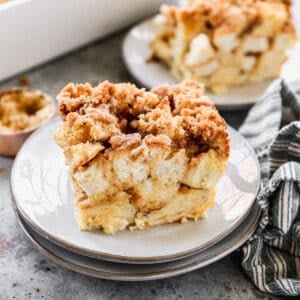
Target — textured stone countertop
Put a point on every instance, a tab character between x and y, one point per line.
26	274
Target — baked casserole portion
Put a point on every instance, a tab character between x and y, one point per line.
225	42
141	158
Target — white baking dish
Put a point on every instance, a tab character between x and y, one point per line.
35	31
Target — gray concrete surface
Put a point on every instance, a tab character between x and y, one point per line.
27	274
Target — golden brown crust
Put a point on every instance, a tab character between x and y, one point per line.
120	116
235	15
80	154
135	156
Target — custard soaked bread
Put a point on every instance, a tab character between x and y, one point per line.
141	158
225	42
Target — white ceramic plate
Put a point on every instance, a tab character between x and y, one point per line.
116	271
41	191
136	53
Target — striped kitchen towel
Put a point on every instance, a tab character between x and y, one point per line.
271	258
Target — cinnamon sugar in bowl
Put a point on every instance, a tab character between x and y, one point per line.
22	111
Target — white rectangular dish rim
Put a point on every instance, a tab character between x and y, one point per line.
34	32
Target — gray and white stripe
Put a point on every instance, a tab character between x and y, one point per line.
271	258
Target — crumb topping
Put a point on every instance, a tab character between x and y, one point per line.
121	116
23	110
233	15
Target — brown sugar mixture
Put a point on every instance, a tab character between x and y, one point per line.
23	110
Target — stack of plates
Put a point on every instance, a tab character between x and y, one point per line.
43	203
